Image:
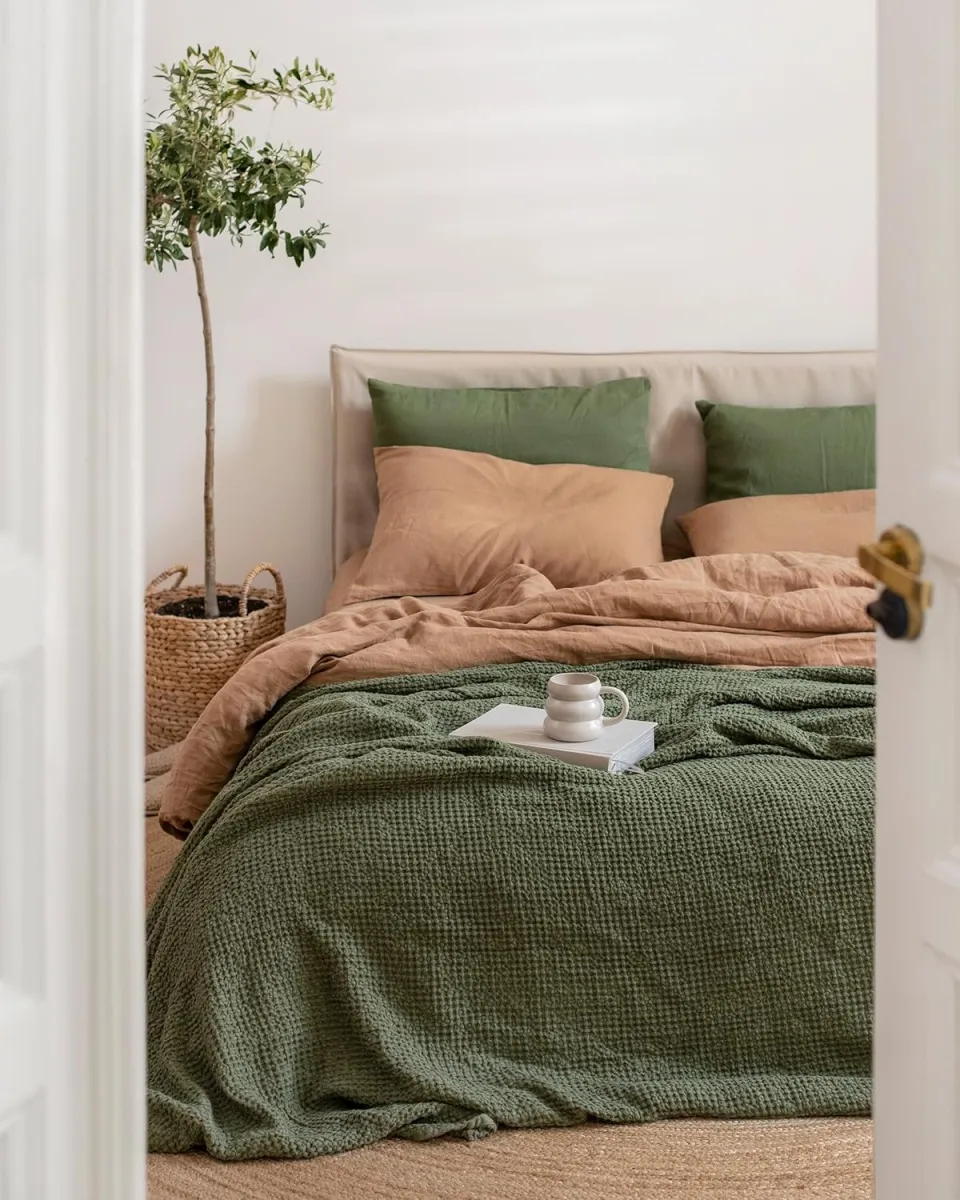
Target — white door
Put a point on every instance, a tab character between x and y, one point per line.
71	812
917	1048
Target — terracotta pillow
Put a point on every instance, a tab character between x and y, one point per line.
825	523
451	520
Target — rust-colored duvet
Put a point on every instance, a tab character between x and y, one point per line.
758	610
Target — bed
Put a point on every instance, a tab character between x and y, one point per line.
373	930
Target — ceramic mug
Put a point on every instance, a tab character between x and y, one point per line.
575	707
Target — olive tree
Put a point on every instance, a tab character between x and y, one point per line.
203	178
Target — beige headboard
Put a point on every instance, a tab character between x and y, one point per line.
677	381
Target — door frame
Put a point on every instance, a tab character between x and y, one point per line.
87	170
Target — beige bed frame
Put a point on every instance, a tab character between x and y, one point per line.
678	380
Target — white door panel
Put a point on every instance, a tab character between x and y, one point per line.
28	1080
917	1070
71	988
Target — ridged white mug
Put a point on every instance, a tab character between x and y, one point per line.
575	707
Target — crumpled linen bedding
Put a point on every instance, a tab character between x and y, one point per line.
375	930
766	610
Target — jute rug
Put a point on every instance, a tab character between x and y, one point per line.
670	1160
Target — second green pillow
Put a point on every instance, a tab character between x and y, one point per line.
787	451
600	426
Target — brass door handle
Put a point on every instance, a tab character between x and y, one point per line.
896	561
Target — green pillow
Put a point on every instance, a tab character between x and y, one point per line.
600	426
787	451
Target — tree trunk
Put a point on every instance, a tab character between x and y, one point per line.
211	607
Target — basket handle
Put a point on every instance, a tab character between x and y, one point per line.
181	572
251	575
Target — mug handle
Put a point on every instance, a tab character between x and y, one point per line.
624	705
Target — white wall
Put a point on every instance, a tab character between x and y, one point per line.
538	174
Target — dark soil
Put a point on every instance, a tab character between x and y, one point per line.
193	607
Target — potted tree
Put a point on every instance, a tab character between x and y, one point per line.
204	179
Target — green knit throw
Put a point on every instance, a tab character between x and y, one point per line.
377	930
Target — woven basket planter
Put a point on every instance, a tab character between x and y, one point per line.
189	659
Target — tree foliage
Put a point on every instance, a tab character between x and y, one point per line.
202	177
199	169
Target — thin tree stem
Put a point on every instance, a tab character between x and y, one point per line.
210	604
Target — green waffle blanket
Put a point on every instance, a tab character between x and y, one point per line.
377	930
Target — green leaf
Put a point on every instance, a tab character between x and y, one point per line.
197	165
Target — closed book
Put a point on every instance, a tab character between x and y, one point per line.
618	749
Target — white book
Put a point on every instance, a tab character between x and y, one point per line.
618	749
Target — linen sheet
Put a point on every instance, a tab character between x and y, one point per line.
768	610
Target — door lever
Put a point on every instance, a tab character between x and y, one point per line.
896	561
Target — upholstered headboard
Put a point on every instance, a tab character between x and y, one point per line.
677	379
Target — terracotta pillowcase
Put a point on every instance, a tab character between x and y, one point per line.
824	523
450	520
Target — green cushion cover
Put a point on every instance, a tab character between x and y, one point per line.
787	451
600	426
